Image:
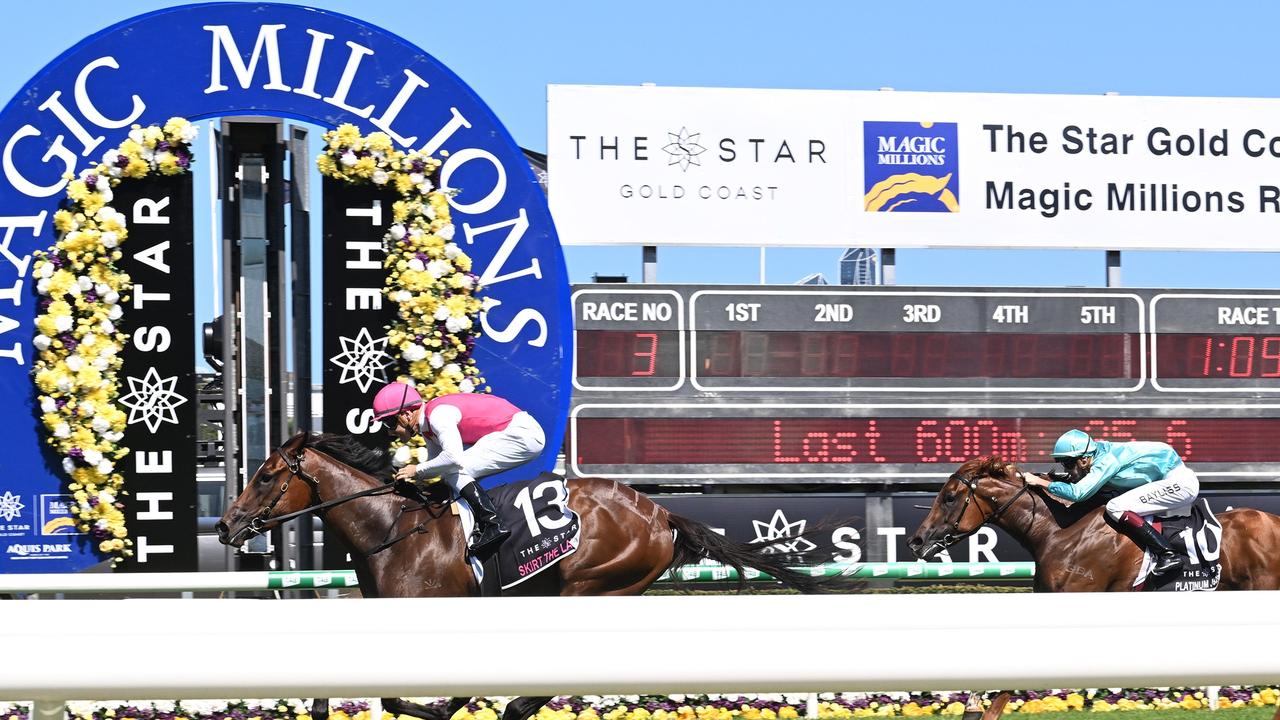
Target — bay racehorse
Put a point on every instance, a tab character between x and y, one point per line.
406	545
1074	548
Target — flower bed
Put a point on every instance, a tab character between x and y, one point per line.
700	707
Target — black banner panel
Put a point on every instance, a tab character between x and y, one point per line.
357	361
706	384
157	379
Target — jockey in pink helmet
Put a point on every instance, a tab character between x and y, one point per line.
471	435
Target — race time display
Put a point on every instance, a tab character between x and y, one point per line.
753	384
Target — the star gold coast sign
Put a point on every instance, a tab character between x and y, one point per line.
212	60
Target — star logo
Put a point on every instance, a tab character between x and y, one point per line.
10	506
153	400
363	360
684	149
778	528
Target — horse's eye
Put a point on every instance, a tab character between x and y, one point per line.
265	480
949	498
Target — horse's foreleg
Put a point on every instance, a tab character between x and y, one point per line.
320	709
400	706
523	708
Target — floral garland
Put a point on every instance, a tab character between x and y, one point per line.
700	707
428	277
79	341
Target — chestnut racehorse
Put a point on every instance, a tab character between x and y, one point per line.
406	547
1074	548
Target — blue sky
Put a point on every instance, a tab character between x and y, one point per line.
510	51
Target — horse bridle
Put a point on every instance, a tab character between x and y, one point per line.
258	523
971	484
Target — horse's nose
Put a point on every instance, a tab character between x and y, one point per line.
914	543
222	529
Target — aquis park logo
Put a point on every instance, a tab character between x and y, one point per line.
911	167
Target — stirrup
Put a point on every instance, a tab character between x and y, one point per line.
1161	567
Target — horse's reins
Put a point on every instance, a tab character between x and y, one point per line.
971	483
260	520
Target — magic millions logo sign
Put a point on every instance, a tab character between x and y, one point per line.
911	167
203	61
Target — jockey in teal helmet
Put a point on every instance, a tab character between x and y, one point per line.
1152	476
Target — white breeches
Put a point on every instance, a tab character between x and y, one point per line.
1171	496
521	441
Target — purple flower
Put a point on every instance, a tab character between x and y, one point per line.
184	160
91	296
122	161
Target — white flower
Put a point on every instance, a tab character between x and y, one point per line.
74	290
467	386
110	239
452	369
446	232
417	178
63	323
416	265
379	177
422	454
456	324
87	408
348	158
115	312
401	456
101	363
107	327
402	296
428	212
452	250
68	465
114	436
42	286
104	523
74	363
467	282
102	288
110	157
442	313
397	231
111	298
103	185
48	404
439	268
89	340
101	425
85	283
106	466
62	430
46	270
190	132
65	384
107	350
414	353
436	360
93	457
41	342
136	135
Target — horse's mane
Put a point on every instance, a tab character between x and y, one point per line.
349	450
1064	516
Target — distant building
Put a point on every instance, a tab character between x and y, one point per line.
858	267
813	279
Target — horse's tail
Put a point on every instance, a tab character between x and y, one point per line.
695	541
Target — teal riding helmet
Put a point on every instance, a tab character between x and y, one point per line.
1074	444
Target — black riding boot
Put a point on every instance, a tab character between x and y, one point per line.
1166	560
489	532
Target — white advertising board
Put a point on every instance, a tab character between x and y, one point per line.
717	166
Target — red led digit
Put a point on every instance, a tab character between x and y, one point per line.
650	352
1241	349
1271	351
1208	356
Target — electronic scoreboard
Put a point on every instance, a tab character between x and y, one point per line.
752	384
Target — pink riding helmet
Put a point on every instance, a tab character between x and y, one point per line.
393	398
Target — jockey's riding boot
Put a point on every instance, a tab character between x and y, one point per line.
489	532
1166	560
